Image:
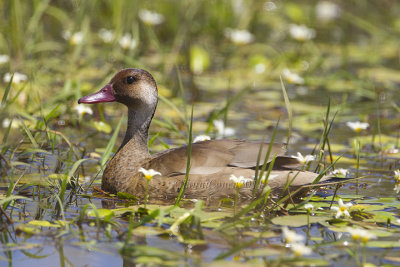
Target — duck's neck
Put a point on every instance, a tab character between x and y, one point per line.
136	135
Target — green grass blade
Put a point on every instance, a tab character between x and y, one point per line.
188	163
289	110
29	134
111	144
5	96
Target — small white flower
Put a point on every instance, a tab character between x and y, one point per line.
18	77
341	171
201	138
327	11
4	59
259	68
269	6
239	37
82	109
301	33
84	179
357	126
309	206
300	249
397	175
290	236
270	177
150	18
223	131
292	77
359	234
73	38
391	151
126	42
342	209
397	187
302	159
239	181
15	123
148	174
106	35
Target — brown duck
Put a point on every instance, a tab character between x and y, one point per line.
212	162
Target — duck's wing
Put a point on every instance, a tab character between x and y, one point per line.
210	157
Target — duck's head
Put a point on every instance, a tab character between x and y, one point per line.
132	87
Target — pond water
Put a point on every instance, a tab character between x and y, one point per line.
87	242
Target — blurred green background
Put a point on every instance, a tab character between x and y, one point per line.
204	51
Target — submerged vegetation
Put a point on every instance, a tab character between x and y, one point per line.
327	71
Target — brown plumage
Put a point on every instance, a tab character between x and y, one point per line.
212	162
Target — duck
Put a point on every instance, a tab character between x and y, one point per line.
213	162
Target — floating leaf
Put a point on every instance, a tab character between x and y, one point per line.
43	223
298	220
102	127
102	213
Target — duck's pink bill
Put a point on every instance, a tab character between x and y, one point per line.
104	95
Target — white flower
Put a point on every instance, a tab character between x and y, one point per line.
82	109
150	18
290	236
270	177
15	123
300	249
309	206
303	159
391	151
84	179
201	138
74	38
397	175
292	77
239	181
18	77
301	32
357	126
106	35
4	59
126	41
148	174
342	209
340	171
397	187
222	131
327	11
269	6
239	37
359	234
259	68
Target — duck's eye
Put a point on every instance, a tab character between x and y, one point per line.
130	79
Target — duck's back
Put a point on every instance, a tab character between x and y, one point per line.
212	156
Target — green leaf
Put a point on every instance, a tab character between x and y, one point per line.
102	127
123	195
43	223
102	213
298	220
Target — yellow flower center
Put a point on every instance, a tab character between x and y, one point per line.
342	209
239	184
148	177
